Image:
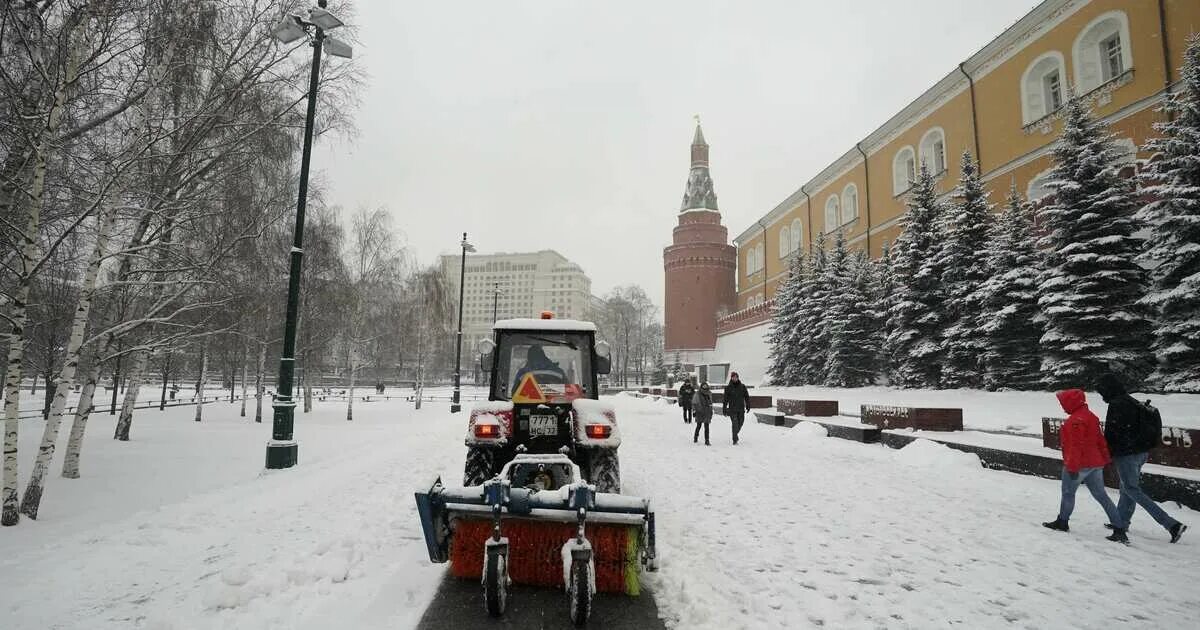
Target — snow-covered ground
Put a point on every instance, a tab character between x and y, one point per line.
182	528
1019	412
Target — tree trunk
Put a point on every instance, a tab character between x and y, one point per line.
66	379
244	370
131	391
202	382
116	381
350	398
259	382
162	401
70	468
33	388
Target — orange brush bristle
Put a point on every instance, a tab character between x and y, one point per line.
534	552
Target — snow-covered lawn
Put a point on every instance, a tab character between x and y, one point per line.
790	529
1019	412
182	528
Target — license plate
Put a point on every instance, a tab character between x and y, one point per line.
543	425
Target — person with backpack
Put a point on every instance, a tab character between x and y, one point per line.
1132	429
685	399
1085	454
735	403
702	412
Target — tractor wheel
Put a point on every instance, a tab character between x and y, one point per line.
604	471
479	466
495	584
580	592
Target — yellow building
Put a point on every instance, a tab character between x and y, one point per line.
1003	105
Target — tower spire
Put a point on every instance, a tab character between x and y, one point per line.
699	193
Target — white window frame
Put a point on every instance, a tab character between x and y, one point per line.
760	256
797	235
832	213
933	150
750	261
1034	105
1038	182
785	241
1087	55
904	169
849	203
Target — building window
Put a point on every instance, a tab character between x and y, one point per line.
933	150
849	203
760	256
1038	187
1101	52
797	235
904	170
785	242
1042	87
831	213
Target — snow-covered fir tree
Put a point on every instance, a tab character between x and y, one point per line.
853	348
883	284
1173	246
1091	282
964	261
784	337
1009	334
914	338
812	343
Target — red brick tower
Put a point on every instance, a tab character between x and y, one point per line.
700	264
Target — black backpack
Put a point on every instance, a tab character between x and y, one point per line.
1151	424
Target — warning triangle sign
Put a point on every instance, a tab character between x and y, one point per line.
528	391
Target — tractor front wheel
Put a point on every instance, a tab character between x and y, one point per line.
479	467
495	583
580	592
604	470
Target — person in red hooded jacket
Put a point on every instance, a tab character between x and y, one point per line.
1085	454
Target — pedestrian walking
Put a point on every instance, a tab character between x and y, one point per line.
735	403
702	412
685	399
1132	433
1085	454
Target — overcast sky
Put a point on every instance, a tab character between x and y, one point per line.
566	125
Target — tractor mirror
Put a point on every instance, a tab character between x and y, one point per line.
486	349
486	346
602	349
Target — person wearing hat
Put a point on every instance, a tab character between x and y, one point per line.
686	391
702	412
735	403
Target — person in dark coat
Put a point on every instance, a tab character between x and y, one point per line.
1130	444
685	399
735	403
702	412
1085	454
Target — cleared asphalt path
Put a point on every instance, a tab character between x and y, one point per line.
458	605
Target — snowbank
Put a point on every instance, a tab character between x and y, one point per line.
1019	412
927	454
808	431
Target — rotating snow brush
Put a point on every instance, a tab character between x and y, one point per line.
538	536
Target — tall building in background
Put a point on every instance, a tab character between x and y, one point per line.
700	267
517	285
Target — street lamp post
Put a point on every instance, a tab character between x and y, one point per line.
455	407
282	450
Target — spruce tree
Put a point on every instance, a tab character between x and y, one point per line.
1090	282
1173	246
1009	333
965	263
813	344
785	333
853	350
882	296
916	314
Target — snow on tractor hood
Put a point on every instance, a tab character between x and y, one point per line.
570	325
588	411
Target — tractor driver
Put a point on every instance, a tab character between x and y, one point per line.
537	362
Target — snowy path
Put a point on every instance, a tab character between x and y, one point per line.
794	530
182	529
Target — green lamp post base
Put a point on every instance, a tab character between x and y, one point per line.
282	454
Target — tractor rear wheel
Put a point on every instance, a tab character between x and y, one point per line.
604	470
479	466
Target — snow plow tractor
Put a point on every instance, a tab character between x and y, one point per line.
540	502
